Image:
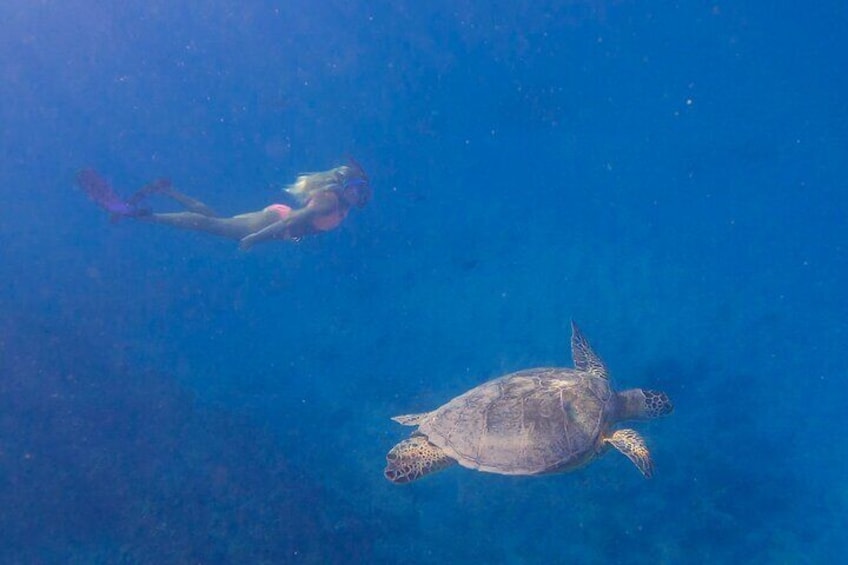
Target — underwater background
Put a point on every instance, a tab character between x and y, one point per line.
670	175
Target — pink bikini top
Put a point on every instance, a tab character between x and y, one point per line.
329	221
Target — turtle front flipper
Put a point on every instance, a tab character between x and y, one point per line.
413	458
630	443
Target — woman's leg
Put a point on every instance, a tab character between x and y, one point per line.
164	188
190	204
235	227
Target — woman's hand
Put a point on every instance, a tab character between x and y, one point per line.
247	242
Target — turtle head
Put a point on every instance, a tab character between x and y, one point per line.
642	404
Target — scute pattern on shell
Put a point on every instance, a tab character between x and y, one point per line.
533	421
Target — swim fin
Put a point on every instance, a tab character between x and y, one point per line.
101	192
158	186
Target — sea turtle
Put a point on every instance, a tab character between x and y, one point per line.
533	422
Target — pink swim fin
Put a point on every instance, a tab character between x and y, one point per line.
158	186
101	192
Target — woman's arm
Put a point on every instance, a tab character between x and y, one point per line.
298	221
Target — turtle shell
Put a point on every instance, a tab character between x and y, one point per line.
534	421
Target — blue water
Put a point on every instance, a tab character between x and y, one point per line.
669	175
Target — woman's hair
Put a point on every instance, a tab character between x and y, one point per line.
307	184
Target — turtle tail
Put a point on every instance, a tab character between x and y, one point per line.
410	419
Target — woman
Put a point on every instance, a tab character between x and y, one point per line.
322	201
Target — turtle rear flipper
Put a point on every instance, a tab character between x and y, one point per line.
413	458
631	444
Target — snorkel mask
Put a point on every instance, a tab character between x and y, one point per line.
355	180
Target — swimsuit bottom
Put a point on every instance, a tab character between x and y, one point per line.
281	209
